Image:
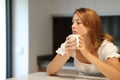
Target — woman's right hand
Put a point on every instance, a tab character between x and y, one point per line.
70	46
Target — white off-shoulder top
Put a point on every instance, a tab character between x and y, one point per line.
105	51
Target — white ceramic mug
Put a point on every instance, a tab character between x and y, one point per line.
76	38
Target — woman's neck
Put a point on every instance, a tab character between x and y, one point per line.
88	42
90	46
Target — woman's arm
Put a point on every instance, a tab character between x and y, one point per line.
110	68
56	64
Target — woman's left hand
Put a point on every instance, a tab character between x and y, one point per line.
82	46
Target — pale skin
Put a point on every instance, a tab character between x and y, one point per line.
110	68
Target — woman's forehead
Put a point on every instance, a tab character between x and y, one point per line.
76	17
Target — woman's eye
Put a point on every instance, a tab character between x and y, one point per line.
78	23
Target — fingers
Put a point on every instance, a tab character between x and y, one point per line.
81	43
70	44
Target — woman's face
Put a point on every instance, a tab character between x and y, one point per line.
78	27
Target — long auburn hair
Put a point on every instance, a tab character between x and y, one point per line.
91	20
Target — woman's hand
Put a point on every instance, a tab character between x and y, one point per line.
70	45
82	46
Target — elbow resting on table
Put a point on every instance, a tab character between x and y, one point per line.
51	72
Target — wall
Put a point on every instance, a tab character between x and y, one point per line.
2	40
67	7
20	37
108	7
40	30
37	26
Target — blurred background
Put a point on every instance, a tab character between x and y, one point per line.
31	30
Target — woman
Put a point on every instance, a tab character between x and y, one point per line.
96	53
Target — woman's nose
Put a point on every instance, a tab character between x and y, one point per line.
73	25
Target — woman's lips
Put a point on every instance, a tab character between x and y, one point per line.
74	32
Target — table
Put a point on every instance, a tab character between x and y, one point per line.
60	76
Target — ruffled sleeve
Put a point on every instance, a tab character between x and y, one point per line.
108	50
61	49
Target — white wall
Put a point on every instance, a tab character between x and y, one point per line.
102	7
2	40
40	24
20	37
40	30
67	7
108	7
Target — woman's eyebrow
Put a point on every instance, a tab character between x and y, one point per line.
77	19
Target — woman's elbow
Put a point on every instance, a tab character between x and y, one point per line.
51	72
